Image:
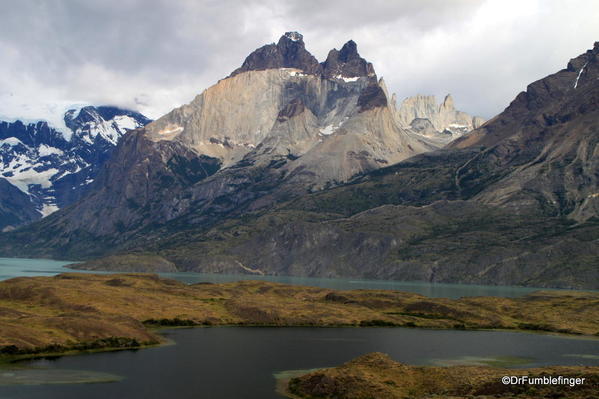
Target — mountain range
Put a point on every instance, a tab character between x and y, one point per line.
53	168
291	166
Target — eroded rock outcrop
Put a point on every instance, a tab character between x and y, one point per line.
445	123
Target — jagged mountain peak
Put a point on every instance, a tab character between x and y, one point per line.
289	52
91	113
293	36
347	63
349	51
105	122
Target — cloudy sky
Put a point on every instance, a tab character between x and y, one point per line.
154	55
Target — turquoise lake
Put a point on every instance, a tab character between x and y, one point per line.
19	267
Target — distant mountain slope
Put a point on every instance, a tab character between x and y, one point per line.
542	153
54	169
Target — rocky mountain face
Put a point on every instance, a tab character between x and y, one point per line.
541	153
441	123
247	116
15	206
280	126
53	169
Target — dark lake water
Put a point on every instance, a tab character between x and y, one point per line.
17	267
231	363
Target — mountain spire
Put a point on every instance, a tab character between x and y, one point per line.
347	63
289	52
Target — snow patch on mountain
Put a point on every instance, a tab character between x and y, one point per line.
48	209
579	73
346	79
294	36
46	150
25	175
327	130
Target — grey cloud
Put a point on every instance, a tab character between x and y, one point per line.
154	55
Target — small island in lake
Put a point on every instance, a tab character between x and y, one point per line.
375	375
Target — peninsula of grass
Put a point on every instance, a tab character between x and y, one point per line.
75	312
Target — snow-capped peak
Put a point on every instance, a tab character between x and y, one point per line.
108	123
53	167
294	36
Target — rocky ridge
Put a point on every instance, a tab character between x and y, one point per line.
541	153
